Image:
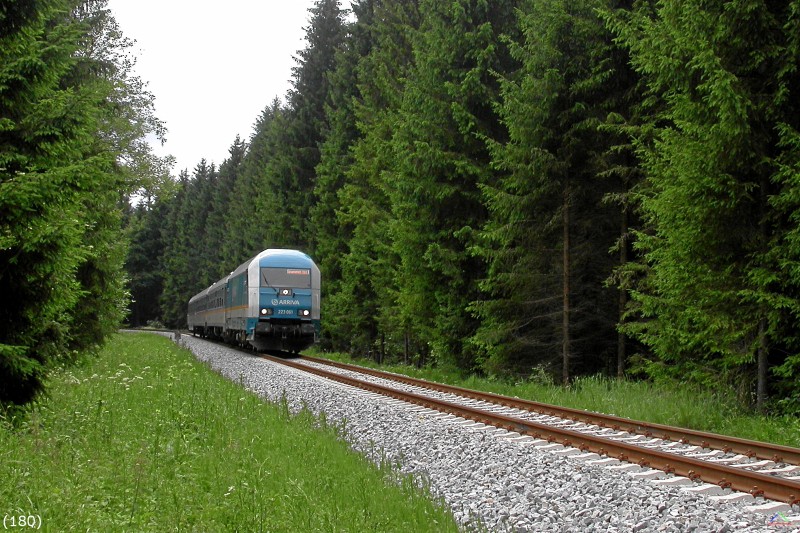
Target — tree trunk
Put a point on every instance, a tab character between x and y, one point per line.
623	294
565	347
761	391
763	347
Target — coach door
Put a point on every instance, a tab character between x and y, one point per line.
228	305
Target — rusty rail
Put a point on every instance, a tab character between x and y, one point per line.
749	448
767	486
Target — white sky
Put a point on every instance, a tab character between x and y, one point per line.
212	66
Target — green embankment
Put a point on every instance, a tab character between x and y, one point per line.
145	438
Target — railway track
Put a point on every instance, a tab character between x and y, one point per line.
755	468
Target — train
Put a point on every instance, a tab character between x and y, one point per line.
271	302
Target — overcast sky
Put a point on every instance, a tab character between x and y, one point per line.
212	66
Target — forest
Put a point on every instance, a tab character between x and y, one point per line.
510	188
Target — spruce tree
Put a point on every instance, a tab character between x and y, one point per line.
548	234
253	197
72	121
716	304
364	310
222	190
180	276
144	262
331	234
441	161
293	169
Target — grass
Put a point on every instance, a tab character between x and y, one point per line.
674	405
145	438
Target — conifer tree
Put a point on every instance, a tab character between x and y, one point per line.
181	279
330	233
216	234
144	263
198	210
71	124
293	168
363	311
253	198
716	302
441	160
549	233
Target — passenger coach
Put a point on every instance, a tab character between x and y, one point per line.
271	302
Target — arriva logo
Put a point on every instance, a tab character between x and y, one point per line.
275	301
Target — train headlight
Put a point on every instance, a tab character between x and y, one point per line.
305	313
266	311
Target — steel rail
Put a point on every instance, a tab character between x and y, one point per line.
749	448
754	483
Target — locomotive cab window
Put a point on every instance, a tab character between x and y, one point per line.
294	278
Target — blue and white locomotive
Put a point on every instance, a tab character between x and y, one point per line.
270	302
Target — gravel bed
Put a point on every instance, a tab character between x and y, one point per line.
488	482
673	447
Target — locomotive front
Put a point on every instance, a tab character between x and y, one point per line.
284	290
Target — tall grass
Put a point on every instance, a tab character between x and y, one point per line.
144	438
674	404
